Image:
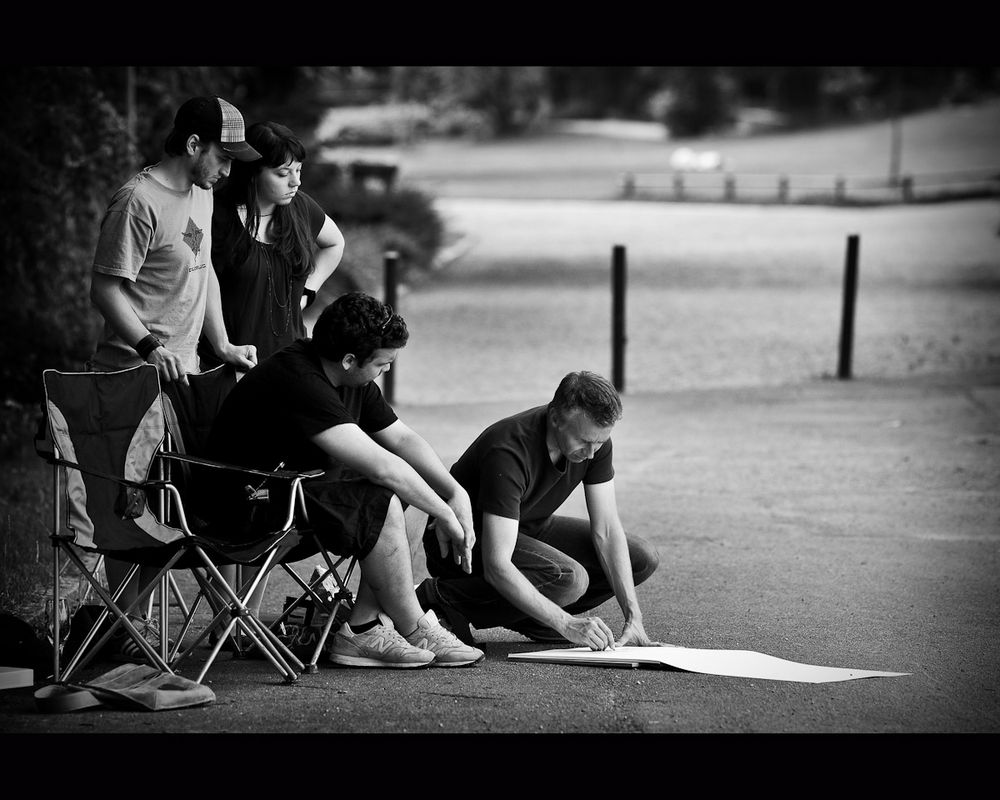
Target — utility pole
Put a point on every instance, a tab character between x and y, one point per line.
130	115
896	152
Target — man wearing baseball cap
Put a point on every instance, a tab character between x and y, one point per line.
152	279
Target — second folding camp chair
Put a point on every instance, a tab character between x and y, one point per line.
190	410
106	433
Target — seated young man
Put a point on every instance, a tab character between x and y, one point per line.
534	571
314	405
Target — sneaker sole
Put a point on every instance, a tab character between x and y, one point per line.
361	661
467	663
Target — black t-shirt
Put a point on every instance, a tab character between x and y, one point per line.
507	471
269	417
261	296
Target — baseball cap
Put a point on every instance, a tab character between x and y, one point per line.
215	120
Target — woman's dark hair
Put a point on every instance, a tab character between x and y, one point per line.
277	145
357	323
592	394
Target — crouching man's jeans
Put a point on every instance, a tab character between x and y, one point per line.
560	562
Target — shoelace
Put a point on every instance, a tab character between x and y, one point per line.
390	636
442	635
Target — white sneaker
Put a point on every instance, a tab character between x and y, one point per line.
382	646
448	649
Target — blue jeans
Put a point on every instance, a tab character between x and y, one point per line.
560	562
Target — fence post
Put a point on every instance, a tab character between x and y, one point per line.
838	190
783	189
618	317
628	185
678	186
847	317
907	189
730	188
388	379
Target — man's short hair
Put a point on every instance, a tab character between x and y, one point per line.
592	394
358	323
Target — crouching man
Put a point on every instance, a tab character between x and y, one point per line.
533	571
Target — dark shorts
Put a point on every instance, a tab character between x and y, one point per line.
347	513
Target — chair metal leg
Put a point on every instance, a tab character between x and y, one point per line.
343	597
265	640
86	652
56	595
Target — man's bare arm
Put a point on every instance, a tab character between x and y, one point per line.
107	296
353	447
612	551
406	443
498	539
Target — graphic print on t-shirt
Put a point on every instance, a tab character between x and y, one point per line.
193	236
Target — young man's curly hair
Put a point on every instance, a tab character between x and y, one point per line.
358	323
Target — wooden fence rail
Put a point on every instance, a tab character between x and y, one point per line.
752	187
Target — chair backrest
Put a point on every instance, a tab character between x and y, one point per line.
111	425
190	410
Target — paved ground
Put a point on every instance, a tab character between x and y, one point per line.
841	523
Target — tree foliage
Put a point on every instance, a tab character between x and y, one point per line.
512	98
71	136
64	147
702	100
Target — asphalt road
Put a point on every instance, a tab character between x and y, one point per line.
839	523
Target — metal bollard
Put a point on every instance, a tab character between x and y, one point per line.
618	337
391	261
847	318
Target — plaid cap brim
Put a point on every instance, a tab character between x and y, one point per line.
240	151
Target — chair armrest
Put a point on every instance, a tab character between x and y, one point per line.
295	479
119	479
283	474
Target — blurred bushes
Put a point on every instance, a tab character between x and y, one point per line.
373	124
702	101
475	101
26	557
64	144
400	123
374	221
362	268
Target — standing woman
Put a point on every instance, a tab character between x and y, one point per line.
273	247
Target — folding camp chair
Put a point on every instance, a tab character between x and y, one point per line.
107	434
190	410
330	604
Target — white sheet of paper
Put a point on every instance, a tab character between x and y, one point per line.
734	663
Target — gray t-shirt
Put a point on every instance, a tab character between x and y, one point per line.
160	241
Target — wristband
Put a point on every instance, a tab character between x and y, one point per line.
310	296
146	345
